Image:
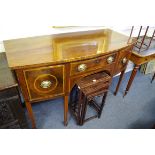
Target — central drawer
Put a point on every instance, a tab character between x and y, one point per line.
92	64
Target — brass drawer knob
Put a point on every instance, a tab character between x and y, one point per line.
45	84
124	60
82	67
110	59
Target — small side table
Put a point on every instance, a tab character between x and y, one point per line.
86	89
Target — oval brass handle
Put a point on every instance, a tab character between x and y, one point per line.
110	59
45	84
82	67
124	60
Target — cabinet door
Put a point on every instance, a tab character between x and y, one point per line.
45	82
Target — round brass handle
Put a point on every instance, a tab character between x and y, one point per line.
45	84
110	59
124	60
82	67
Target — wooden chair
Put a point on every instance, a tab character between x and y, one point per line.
143	39
84	93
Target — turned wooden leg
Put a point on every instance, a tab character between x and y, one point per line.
119	82
133	74
153	78
66	99
30	113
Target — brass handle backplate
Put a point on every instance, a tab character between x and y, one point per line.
82	67
110	59
45	84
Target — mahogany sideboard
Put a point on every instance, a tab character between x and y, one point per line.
48	66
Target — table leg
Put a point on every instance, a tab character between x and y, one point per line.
22	83
66	100
30	113
133	74
153	78
119	82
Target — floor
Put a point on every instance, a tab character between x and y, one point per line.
135	111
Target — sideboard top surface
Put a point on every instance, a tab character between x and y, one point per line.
60	48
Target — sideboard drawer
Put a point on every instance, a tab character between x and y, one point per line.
92	64
45	82
123	59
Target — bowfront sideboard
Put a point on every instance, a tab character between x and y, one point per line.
48	66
